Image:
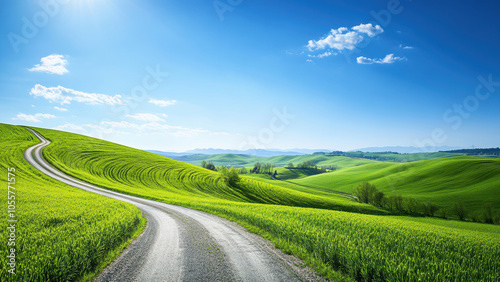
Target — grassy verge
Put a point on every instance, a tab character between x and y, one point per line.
62	233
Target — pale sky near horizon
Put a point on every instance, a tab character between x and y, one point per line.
179	75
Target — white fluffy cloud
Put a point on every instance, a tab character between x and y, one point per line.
63	95
33	118
405	47
322	55
343	38
55	64
388	59
368	29
338	39
146	117
61	109
162	103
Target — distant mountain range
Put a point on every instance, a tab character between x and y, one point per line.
251	152
298	152
407	149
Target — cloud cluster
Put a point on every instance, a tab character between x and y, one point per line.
54	64
368	29
162	103
61	109
33	118
388	59
405	47
344	38
146	117
63	95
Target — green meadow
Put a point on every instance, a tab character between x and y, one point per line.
62	233
237	160
342	239
473	181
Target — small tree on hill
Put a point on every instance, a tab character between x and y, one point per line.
378	198
365	192
396	203
443	213
208	165
429	209
488	214
257	167
412	205
230	176
460	210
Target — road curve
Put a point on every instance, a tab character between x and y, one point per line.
181	244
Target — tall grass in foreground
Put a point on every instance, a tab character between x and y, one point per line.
375	248
62	233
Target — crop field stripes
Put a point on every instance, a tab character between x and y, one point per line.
337	236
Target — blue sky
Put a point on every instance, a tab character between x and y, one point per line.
178	75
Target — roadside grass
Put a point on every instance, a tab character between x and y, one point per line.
62	233
340	245
347	246
473	181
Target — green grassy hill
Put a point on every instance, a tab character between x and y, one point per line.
471	180
246	160
394	157
63	233
144	174
343	246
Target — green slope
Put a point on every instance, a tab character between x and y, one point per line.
246	160
60	228
144	174
340	245
471	180
392	157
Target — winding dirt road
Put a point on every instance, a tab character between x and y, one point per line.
181	244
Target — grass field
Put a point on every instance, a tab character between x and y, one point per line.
340	245
284	173
62	233
392	157
343	160
473	181
144	174
246	160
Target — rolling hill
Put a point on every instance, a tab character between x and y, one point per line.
145	174
320	228
247	160
62	233
473	181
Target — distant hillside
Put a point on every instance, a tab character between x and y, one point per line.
406	149
251	152
240	160
471	180
478	152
